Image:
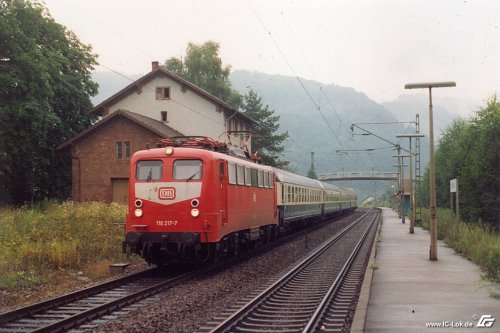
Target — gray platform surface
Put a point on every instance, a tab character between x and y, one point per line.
408	290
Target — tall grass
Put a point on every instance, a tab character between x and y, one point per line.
37	239
478	242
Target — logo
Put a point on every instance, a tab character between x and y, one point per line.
485	321
166	193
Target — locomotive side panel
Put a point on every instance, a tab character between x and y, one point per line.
251	197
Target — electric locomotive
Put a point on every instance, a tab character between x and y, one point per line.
197	204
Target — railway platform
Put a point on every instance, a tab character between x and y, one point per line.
410	293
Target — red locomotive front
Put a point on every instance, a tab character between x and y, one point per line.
184	204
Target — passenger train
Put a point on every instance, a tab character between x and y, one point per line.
192	204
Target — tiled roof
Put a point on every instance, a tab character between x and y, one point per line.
155	126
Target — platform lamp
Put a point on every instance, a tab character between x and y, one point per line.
432	171
412	194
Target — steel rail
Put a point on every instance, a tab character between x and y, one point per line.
70	297
84	316
229	322
321	309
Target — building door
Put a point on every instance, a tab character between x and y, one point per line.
120	190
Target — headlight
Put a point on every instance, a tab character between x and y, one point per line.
195	212
169	151
194	203
138	203
138	212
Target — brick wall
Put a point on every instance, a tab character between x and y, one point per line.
95	160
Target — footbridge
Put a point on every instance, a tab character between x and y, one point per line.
358	175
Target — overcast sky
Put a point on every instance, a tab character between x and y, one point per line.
373	46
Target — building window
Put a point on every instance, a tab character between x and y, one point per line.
122	150
119	150
162	92
164	116
127	149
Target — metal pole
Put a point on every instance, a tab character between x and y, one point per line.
400	192
457	205
411	187
400	165
432	185
412	197
403	190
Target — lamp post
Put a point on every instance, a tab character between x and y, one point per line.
432	174
412	196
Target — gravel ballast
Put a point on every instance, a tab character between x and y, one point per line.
188	306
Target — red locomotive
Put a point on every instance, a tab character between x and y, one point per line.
198	204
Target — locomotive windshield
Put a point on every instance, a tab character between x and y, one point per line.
187	169
149	170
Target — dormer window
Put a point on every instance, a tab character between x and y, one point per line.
162	92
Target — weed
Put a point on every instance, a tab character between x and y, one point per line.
476	241
15	280
48	236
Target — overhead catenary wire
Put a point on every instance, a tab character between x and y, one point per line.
268	32
139	49
322	91
87	14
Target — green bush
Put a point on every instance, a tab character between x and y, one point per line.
50	236
478	242
493	265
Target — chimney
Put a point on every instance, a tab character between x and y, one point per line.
154	66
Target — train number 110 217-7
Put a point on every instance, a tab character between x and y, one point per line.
166	223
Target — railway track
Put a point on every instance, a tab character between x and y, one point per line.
319	294
88	308
65	312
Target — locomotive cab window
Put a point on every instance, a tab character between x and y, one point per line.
149	170
187	169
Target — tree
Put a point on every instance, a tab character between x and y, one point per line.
203	67
45	84
266	142
479	179
470	151
450	157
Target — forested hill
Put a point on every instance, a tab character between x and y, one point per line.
341	106
308	130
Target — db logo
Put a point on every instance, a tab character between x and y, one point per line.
166	193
